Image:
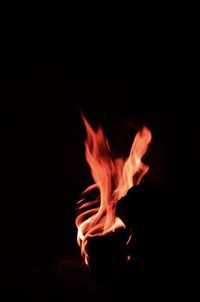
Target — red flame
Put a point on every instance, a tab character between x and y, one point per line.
113	178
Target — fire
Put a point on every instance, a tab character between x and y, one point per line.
112	178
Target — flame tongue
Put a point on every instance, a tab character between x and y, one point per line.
113	178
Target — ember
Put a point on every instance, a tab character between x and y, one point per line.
112	180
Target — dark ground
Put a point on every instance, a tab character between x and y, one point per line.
122	80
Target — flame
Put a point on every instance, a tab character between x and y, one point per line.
113	178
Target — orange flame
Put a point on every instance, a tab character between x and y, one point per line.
113	178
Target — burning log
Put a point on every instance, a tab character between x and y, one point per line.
148	237
97	222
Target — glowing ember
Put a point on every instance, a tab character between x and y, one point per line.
112	178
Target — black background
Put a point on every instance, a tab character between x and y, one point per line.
122	75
